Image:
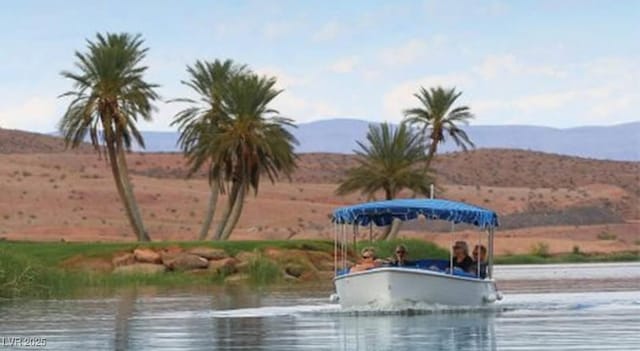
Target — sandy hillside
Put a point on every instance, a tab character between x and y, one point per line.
47	194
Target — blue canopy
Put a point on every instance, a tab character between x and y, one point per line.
383	212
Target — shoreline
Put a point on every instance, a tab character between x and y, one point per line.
54	269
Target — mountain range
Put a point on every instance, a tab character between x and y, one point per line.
616	142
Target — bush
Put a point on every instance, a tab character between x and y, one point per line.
606	236
540	249
576	250
263	271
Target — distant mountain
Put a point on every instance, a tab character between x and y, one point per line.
618	142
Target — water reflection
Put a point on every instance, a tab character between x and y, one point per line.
466	331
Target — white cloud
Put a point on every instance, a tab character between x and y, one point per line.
328	31
401	96
496	66
285	80
406	53
302	110
34	113
344	65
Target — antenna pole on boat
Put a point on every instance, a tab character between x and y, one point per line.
431	191
453	228
355	238
490	265
335	249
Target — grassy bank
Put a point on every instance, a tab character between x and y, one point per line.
43	269
569	258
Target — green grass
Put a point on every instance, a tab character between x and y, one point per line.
569	258
263	271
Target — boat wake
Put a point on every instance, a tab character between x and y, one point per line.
513	304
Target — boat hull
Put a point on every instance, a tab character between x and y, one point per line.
399	286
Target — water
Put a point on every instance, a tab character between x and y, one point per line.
558	315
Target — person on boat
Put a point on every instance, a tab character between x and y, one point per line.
461	258
479	259
368	261
399	259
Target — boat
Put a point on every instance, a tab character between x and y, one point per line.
426	281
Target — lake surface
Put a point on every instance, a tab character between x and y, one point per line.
559	307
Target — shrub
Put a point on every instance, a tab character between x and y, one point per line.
540	249
263	271
606	236
576	250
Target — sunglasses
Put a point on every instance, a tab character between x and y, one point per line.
400	252
366	256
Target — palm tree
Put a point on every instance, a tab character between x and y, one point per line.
247	140
391	162
200	122
109	96
438	117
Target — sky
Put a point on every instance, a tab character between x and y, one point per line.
557	63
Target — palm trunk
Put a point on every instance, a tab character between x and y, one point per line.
394	229
238	204
388	194
128	193
227	211
113	162
211	209
433	148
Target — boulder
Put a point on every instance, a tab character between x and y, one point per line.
323	261
224	266
147	256
124	259
168	254
186	261
140	268
295	269
245	256
209	253
274	253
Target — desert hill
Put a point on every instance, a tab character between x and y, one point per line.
21	142
560	200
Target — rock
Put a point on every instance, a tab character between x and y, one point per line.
140	268
274	253
186	261
323	261
236	278
225	266
245	256
242	266
145	255
123	259
289	278
209	253
295	269
170	253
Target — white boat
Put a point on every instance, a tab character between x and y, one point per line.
433	282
